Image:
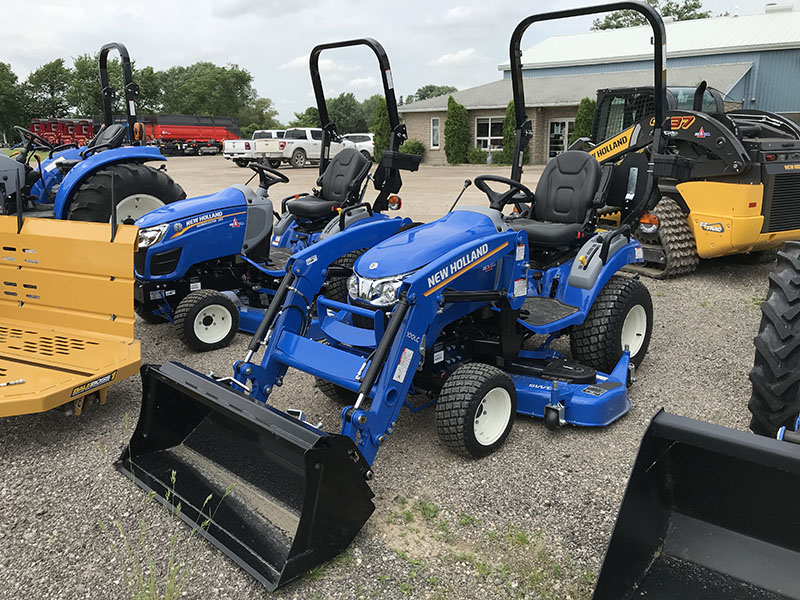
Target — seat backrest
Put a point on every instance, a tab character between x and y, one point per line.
111	136
343	176
628	181
567	188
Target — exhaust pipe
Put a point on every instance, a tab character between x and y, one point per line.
710	513
298	495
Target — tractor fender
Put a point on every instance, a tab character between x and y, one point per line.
80	172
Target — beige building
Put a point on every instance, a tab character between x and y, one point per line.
551	105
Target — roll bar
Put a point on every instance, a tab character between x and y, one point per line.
131	89
329	133
524	130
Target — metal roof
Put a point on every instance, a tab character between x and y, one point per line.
774	30
568	90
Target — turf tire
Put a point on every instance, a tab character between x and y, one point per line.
188	311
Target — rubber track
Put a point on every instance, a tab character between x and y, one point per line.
453	403
775	397
594	342
676	239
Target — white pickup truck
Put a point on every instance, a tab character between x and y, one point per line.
301	145
262	148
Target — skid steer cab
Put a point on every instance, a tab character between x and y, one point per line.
74	182
211	265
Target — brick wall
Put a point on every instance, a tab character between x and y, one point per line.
418	125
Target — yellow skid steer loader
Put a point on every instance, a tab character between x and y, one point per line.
66	312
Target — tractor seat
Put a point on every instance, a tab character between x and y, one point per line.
340	185
564	200
111	136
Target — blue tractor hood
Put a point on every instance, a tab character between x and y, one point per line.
183	210
412	249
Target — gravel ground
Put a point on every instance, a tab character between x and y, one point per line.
532	520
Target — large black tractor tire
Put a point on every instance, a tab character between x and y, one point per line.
476	409
621	315
206	320
336	287
775	398
92	201
299	158
675	238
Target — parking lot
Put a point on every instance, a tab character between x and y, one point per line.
531	520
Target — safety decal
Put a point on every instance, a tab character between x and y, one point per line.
311	259
520	287
235	223
520	255
94	384
402	365
438	357
702	133
681	121
195	285
712	227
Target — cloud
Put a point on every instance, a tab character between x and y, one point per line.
301	62
455	58
363	82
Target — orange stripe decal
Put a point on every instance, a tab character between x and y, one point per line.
463	270
185	229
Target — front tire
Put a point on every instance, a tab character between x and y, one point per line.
298	158
366	155
476	409
138	189
622	315
775	398
206	320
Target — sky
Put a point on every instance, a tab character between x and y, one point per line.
454	43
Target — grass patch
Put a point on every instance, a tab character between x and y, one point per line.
427	509
466	520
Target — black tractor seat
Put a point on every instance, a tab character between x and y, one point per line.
340	185
108	137
565	198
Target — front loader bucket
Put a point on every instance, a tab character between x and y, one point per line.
709	513
299	495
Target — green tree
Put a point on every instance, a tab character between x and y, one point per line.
682	10
206	89
46	90
259	114
308	118
432	91
381	129
368	107
509	137
584	120
344	111
456	133
10	102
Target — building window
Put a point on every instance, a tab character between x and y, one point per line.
558	136
489	133
435	133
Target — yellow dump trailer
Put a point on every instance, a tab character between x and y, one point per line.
66	312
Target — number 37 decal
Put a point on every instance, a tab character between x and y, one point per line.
678	122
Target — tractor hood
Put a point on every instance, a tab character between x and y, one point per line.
200	208
415	248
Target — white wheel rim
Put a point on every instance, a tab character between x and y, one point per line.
212	324
634	329
135	206
492	416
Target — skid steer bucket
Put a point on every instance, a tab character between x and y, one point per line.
298	496
710	513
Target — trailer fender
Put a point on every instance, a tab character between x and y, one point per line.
84	169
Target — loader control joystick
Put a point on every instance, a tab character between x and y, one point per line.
516	193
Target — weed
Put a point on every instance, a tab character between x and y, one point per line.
383	578
406	588
467	519
408	516
427	509
517	537
402	501
432	581
704	303
660	294
482	568
758	300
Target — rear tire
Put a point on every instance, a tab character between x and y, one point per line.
775	398
206	320
621	314
476	409
239	162
137	187
298	158
275	163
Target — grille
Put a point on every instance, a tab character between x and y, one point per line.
24	340
165	263
783	211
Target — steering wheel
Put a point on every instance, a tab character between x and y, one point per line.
34	140
497	200
267	176
62	147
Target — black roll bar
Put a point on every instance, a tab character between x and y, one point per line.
524	130
131	89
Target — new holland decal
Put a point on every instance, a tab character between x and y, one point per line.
206	219
93	385
460	266
621	141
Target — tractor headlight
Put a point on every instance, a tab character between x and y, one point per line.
151	235
377	292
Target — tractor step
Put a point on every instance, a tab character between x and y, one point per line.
273	493
538	311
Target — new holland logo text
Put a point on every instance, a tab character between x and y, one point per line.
620	142
94	384
203	218
456	266
712	227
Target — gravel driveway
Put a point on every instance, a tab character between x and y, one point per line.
531	520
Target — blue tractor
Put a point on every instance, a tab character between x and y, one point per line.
78	183
462	310
210	265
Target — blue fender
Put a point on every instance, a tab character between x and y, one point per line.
84	169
